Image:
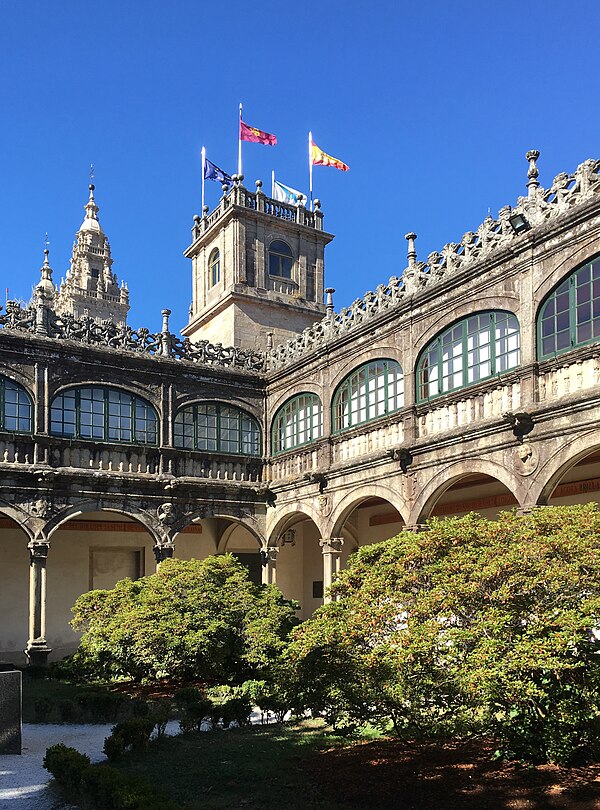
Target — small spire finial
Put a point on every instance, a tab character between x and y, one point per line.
412	253
329	300
533	172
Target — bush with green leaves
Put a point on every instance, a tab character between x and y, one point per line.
192	619
472	625
67	766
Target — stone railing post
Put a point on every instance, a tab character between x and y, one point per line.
331	548
37	649
268	558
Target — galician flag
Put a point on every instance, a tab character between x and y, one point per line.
320	158
248	133
286	194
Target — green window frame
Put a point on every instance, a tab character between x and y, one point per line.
214	268
476	348
372	390
104	414
281	259
297	422
16	407
216	427
570	315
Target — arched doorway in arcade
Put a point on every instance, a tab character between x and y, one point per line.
89	551
579	481
367	520
475	492
299	561
14	592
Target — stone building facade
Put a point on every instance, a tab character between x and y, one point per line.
469	383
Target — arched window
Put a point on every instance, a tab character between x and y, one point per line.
217	428
214	268
570	316
103	414
478	347
280	259
372	390
15	407
297	422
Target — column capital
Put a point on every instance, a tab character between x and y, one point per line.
331	545
268	554
38	550
163	552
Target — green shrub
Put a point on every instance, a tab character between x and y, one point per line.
43	708
200	619
161	711
114	747
471	626
108	789
135	732
67	766
68	711
100	705
184	697
139	708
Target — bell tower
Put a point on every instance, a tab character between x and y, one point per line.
257	268
91	288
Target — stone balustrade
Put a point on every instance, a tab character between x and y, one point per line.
468	410
367	439
563	380
294	465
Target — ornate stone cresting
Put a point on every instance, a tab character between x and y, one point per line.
540	205
91	288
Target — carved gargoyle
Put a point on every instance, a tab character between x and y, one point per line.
521	423
317	478
402	455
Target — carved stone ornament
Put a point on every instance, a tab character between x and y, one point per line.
324	505
527	459
167	513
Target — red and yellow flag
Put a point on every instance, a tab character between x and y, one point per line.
320	158
248	133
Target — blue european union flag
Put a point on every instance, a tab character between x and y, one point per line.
212	172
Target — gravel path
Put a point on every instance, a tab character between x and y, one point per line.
23	779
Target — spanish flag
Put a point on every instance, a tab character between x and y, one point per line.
320	158
248	133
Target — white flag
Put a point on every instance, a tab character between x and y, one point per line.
286	194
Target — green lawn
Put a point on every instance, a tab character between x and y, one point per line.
249	768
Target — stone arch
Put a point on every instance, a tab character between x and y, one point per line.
229	531
563	269
17	375
19	517
302	387
131	511
15	543
560	463
442	481
368	355
355	497
508	302
185	400
129	387
286	516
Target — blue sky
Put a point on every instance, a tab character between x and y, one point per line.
433	105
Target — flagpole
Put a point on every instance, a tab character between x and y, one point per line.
203	167
310	168
240	142
273	184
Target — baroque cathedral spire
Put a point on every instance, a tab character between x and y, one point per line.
91	288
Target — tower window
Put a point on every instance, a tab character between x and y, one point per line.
280	259
214	268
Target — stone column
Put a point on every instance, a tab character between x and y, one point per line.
268	558
332	552
37	650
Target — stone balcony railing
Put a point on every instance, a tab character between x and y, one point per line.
69	454
366	439
258	201
567	377
469	409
